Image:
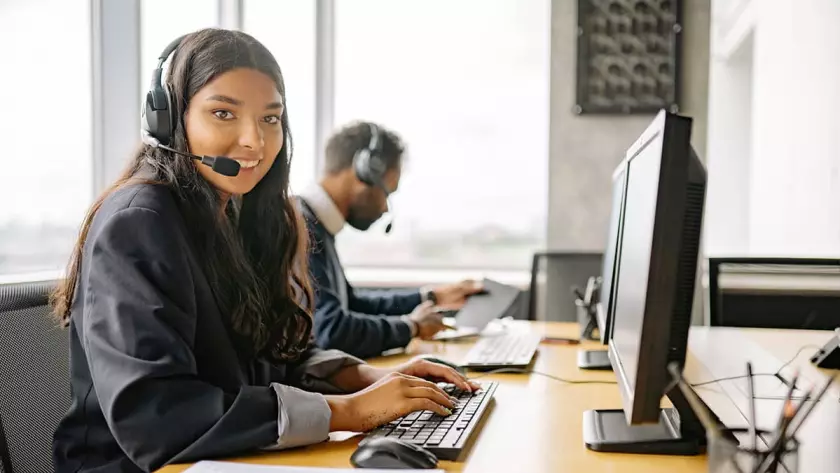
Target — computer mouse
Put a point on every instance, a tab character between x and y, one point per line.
441	361
384	453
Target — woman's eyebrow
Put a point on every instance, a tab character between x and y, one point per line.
225	98
233	101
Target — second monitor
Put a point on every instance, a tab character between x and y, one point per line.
602	305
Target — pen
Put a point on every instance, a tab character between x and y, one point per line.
776	449
798	420
752	419
560	341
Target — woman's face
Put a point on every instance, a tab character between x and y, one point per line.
236	115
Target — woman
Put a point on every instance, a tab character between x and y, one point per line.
185	293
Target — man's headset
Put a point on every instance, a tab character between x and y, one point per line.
157	119
370	167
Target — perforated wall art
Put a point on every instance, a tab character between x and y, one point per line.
628	58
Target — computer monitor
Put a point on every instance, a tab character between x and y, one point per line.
653	294
598	359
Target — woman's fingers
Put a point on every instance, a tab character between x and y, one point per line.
432	394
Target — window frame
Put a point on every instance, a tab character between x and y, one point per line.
115	82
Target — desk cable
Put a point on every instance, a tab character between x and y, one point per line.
777	374
550	376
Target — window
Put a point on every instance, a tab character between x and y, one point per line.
164	20
466	86
47	162
287	29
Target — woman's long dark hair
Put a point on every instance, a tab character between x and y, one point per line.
255	261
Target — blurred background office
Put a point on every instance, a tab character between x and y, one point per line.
501	161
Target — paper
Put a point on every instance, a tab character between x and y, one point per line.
230	467
481	309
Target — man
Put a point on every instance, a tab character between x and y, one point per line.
362	167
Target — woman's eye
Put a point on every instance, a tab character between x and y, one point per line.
272	119
223	114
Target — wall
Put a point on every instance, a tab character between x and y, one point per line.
774	154
730	122
584	150
795	178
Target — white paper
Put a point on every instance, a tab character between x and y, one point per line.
230	467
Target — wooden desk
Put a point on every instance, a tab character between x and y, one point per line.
535	424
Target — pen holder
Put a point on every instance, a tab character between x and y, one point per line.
587	321
726	456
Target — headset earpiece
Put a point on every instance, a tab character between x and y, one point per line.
368	163
157	120
157	117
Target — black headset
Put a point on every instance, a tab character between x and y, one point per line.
157	119
368	163
370	167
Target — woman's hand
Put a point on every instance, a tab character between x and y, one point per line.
393	396
423	368
417	367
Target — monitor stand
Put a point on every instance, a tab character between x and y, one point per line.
593	360
679	431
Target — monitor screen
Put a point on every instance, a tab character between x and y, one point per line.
634	259
603	309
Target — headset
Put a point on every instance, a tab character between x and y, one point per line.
370	167
157	118
368	163
158	114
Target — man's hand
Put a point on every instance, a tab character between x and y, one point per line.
454	296
429	322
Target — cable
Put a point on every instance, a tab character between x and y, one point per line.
799	352
777	374
550	376
728	378
713	381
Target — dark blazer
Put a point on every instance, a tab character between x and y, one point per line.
156	375
361	323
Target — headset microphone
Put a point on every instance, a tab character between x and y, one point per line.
220	164
390	209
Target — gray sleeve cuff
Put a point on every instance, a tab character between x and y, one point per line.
303	418
316	372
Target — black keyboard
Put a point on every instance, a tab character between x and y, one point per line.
446	437
509	350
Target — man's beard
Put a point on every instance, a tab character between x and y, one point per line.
360	223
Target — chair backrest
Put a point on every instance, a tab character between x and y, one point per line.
791	293
553	275
34	377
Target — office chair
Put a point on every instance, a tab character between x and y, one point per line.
34	377
788	293
553	275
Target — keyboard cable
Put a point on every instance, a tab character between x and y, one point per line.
777	374
550	376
